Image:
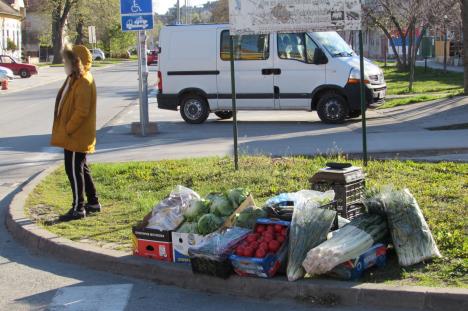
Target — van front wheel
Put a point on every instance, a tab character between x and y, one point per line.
332	108
194	109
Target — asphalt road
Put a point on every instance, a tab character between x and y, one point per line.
31	282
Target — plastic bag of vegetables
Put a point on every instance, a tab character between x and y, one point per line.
248	217
309	227
197	209
169	213
221	206
209	223
349	242
410	233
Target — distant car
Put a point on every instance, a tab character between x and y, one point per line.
6	74
18	68
152	57
98	54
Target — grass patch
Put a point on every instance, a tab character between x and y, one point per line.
128	191
96	63
428	85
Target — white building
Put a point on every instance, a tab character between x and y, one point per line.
11	16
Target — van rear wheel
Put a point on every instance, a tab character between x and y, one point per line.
332	108
194	109
224	115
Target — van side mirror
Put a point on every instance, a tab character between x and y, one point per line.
319	57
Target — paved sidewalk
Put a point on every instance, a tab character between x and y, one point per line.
435	65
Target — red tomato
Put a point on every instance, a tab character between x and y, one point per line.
284	232
240	251
278	228
251	238
268	238
270	228
260	239
273	246
254	244
260	253
260	229
263	245
281	239
249	252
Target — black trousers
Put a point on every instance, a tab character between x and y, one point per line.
80	179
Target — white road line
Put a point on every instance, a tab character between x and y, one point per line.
91	298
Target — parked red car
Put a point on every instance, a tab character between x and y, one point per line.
19	69
152	57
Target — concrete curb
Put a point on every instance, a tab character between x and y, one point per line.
321	292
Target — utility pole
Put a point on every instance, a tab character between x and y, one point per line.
445	43
178	11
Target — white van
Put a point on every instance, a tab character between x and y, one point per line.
280	71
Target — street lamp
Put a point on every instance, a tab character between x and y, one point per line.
445	43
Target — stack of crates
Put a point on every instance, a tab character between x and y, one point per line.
348	184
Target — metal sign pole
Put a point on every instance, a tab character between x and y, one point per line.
363	99
234	105
140	84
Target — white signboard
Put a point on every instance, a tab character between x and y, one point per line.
92	34
265	16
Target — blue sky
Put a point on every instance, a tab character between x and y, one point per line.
161	6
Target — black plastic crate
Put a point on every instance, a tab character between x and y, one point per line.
221	269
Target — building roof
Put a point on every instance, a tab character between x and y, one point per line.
6	9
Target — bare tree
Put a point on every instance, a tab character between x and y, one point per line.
464	17
60	12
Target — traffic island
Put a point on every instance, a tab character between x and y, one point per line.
283	174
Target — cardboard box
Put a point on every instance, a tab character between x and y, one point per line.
152	243
181	242
262	267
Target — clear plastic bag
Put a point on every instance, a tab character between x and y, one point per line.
169	213
218	245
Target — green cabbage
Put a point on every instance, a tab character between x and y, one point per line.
188	227
248	217
209	223
221	206
237	196
197	209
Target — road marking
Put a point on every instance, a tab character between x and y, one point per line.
91	298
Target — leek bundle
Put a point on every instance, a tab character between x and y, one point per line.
349	242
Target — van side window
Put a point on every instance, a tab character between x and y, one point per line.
297	46
248	47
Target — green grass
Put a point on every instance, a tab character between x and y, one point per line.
128	191
102	63
429	85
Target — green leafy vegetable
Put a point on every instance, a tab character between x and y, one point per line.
237	196
248	217
221	206
209	223
196	210
188	227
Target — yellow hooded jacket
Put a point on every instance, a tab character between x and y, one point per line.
74	126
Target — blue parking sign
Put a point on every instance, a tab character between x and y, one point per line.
136	15
136	7
137	22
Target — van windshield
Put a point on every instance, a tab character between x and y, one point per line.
334	43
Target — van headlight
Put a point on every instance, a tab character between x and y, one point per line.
355	77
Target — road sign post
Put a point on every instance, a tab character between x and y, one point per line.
263	17
234	104
137	15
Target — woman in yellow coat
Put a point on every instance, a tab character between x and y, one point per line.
74	129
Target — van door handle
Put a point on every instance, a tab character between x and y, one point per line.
276	71
267	71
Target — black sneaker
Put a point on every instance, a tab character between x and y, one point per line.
93	208
73	214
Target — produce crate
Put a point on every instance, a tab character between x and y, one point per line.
265	267
151	243
221	269
348	184
353	269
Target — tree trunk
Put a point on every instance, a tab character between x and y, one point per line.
465	42
79	31
414	51
57	33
